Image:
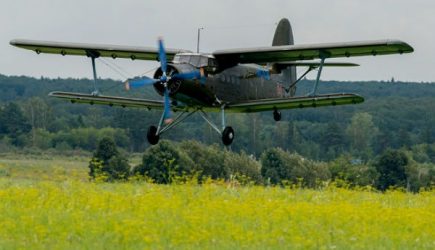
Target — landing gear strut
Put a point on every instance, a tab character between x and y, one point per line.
276	115
227	133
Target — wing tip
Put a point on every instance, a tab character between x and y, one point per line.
404	46
14	42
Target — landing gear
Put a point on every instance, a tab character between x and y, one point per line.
152	136
227	133
276	115
228	136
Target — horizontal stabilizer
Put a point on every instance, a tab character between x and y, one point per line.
316	64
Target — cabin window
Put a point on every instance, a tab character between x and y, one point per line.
194	60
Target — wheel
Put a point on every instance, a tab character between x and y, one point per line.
277	115
152	136
228	136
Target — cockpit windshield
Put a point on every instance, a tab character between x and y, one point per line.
196	60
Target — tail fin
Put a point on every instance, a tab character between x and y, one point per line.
284	36
283	33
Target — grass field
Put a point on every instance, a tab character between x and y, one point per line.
68	212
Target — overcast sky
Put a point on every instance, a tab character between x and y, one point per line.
227	24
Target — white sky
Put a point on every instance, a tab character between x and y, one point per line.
228	24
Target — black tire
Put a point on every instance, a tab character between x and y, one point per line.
228	136
277	115
152	136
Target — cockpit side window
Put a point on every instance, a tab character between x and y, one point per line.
198	61
194	60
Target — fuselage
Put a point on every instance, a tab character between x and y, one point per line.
231	85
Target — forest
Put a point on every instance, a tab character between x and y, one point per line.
395	116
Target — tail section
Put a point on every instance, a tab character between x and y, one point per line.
284	36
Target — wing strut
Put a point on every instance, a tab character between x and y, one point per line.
310	68
316	84
93	55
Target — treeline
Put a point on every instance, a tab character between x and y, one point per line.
170	162
395	115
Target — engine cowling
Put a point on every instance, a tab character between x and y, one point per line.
173	84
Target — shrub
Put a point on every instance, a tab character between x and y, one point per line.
164	162
391	167
107	163
279	166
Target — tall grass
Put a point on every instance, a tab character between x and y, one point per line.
37	214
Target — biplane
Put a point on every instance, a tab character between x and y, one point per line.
234	80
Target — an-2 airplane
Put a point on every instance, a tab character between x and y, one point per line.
234	80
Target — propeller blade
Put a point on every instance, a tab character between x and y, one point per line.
167	108
162	56
140	82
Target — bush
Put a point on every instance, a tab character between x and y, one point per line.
209	161
279	166
164	163
108	164
356	174
241	165
391	167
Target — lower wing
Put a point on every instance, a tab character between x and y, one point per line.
242	107
108	100
294	103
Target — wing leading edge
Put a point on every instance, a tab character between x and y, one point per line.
83	49
272	54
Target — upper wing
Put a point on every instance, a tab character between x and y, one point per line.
311	51
83	49
294	103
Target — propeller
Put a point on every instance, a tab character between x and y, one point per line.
164	79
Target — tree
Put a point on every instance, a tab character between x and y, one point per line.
274	165
243	165
279	165
107	161
391	167
14	124
332	140
208	160
164	163
361	133
356	174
